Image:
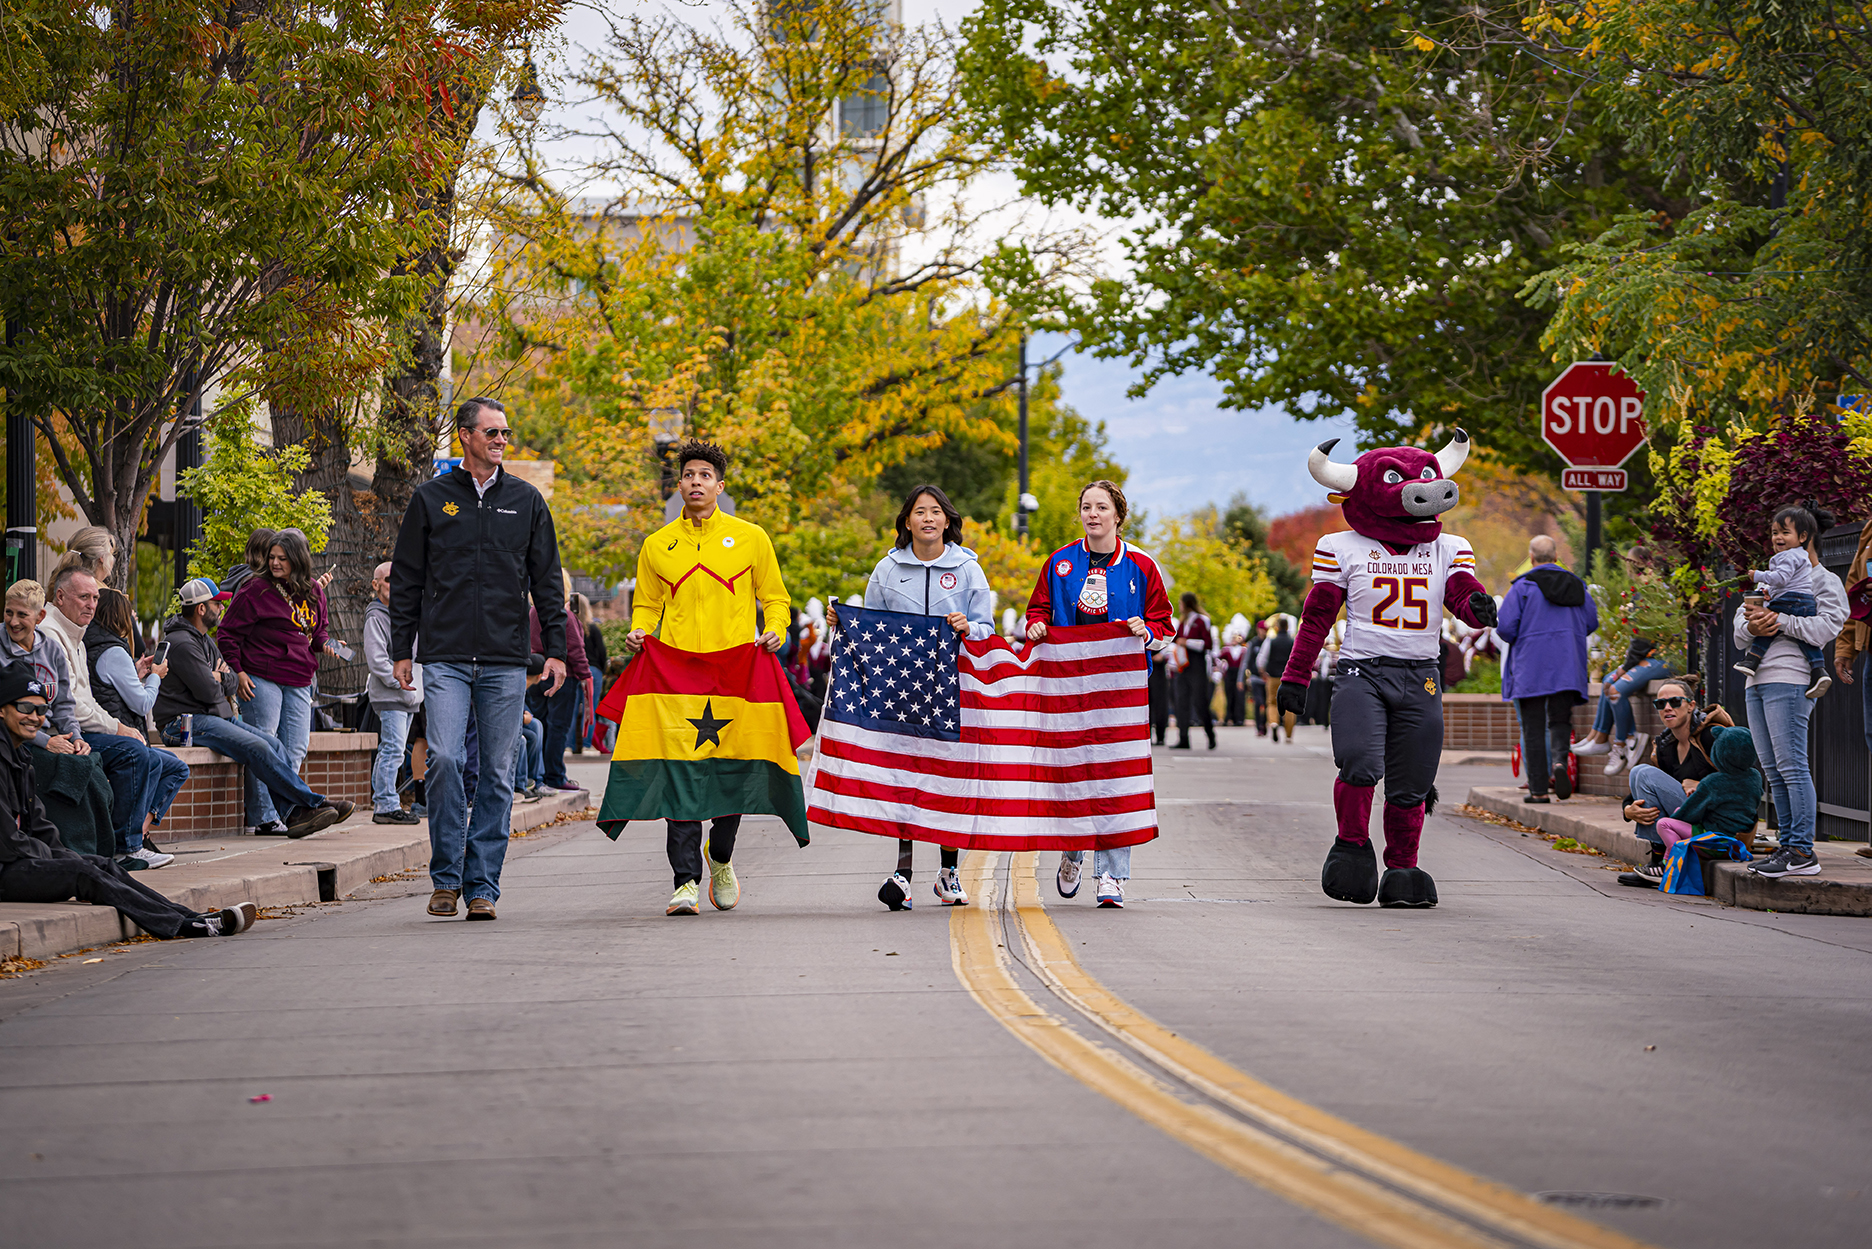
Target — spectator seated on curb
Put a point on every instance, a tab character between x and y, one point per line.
77	781
136	772
1680	759
1718	820
35	864
201	685
126	687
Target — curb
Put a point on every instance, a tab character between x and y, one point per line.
1843	888
321	868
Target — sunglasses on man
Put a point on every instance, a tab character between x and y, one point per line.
31	709
1661	703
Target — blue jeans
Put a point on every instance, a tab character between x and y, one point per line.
1615	718
1656	788
139	776
463	858
1793	603
167	775
393	726
529	760
1777	717
1114	863
285	711
279	786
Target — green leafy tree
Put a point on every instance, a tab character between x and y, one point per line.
1224	579
1064	452
1342	200
241	487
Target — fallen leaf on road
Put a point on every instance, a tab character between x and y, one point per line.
94	960
264	1097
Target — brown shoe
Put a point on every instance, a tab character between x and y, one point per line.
480	908
442	901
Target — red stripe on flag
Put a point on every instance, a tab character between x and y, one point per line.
1000	808
1090	665
1059	704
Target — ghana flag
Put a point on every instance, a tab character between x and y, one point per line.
701	735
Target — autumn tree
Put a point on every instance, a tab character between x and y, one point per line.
781	262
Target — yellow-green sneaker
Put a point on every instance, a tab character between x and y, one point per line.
723	889
683	901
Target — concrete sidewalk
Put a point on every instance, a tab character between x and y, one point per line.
268	871
1844	886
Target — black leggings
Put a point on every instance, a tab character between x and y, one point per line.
1546	733
950	856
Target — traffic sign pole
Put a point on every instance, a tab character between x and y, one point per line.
1592	531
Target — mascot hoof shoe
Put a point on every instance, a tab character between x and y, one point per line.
1407	886
1351	872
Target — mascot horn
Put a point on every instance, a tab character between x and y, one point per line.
1393	571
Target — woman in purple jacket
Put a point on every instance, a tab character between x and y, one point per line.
272	636
1546	618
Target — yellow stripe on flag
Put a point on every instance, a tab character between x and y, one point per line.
689	727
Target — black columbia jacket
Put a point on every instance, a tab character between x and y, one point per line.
464	568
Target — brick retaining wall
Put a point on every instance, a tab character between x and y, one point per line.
212	802
1485	722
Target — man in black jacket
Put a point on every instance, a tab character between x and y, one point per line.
35	866
475	543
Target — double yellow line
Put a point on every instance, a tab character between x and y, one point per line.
1362	1181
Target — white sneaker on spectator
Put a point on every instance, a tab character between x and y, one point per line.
1616	763
1636	747
150	858
1591	747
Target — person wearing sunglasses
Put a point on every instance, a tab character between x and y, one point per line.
1681	757
474	546
36	866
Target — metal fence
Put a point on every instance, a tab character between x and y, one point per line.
1836	741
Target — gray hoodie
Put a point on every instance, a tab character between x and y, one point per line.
952	582
380	682
48	660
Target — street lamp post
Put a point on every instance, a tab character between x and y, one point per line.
528	100
22	505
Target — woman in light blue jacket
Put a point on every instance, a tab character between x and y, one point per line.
930	573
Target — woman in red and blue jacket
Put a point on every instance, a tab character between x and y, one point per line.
1101	579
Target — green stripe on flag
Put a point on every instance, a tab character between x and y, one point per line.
666	789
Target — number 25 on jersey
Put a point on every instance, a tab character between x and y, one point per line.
1409	596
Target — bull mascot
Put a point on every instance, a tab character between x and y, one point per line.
1393	571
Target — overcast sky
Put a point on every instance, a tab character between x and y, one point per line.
1181	447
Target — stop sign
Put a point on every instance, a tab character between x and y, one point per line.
1593	415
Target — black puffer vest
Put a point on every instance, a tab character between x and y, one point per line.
98	640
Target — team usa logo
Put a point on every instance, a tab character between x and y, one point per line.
1063	568
947	581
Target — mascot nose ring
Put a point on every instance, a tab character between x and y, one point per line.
1430	498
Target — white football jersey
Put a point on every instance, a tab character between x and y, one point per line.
1394	603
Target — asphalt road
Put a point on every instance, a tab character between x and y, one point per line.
809	1070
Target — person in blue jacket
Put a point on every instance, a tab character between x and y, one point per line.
1101	579
1546	619
930	573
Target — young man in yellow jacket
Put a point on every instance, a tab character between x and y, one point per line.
699	580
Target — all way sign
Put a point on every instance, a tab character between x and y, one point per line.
1592	479
1593	415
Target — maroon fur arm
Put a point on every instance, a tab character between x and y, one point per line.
1323	602
1457	587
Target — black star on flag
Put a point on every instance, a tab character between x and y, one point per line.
708	728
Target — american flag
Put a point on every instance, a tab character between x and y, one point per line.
973	745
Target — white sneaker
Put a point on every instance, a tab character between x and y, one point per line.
895	892
1591	748
150	858
1067	880
949	888
1636	747
1110	891
1616	763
